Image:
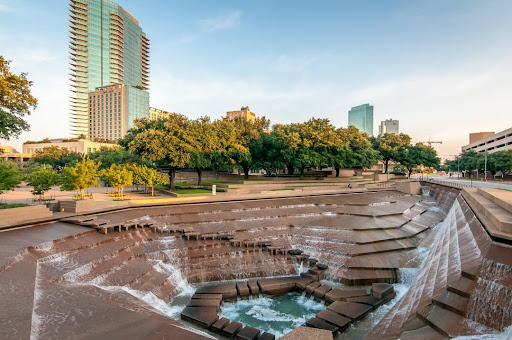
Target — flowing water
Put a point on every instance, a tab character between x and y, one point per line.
274	314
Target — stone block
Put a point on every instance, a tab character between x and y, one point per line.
355	311
337	294
254	288
276	286
318	272
322	266
231	329
219	325
300	282
201	316
267	336
248	333
319	323
381	290
243	289
321	291
228	290
311	287
307	333
204	303
310	276
208	296
339	321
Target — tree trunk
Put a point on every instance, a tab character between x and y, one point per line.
302	168
337	171
386	162
152	190
172	175
409	172
246	171
290	169
81	193
199	175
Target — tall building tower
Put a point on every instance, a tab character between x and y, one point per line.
388	126
107	46
362	118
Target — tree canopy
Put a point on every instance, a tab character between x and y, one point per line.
16	101
42	178
84	174
390	146
10	176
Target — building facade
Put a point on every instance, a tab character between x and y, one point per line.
7	153
82	146
243	113
113	108
388	126
107	46
476	136
362	118
155	113
497	142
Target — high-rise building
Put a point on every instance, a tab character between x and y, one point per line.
362	118
388	126
107	46
244	113
113	108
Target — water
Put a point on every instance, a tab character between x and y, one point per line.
276	314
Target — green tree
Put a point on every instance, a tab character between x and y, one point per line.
118	177
500	161
418	155
390	146
246	133
138	174
43	178
10	176
84	174
151	177
109	156
204	143
56	157
166	140
16	101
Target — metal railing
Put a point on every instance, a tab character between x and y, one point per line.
453	184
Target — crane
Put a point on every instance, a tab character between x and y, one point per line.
430	142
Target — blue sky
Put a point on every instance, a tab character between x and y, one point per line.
443	68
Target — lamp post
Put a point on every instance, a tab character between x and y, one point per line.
485	166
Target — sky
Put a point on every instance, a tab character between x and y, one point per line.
442	68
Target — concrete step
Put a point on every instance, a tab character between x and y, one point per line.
425	332
452	302
463	287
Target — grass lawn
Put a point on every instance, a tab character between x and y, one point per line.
282	189
192	191
12	205
216	181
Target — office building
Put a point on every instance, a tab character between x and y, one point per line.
107	46
476	136
243	113
155	113
362	118
388	126
496	142
113	108
82	146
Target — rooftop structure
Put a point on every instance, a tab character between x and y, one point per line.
496	142
476	136
362	118
8	153
107	46
243	113
155	113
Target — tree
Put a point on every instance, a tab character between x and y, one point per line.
419	154
390	145
246	134
166	140
109	156
43	178
56	157
500	161
84	174
16	101
138	174
151	177
10	176
204	143
118	177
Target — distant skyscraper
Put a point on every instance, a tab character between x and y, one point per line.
107	46
388	126
362	118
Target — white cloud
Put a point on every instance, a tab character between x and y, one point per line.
221	22
4	7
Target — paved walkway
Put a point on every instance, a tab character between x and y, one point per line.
468	182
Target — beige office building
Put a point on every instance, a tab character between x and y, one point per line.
113	108
496	142
244	113
155	113
82	146
476	136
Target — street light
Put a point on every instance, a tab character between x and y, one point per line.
485	169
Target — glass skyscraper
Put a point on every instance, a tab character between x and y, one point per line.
362	118
107	46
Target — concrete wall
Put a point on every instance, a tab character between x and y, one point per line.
19	215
